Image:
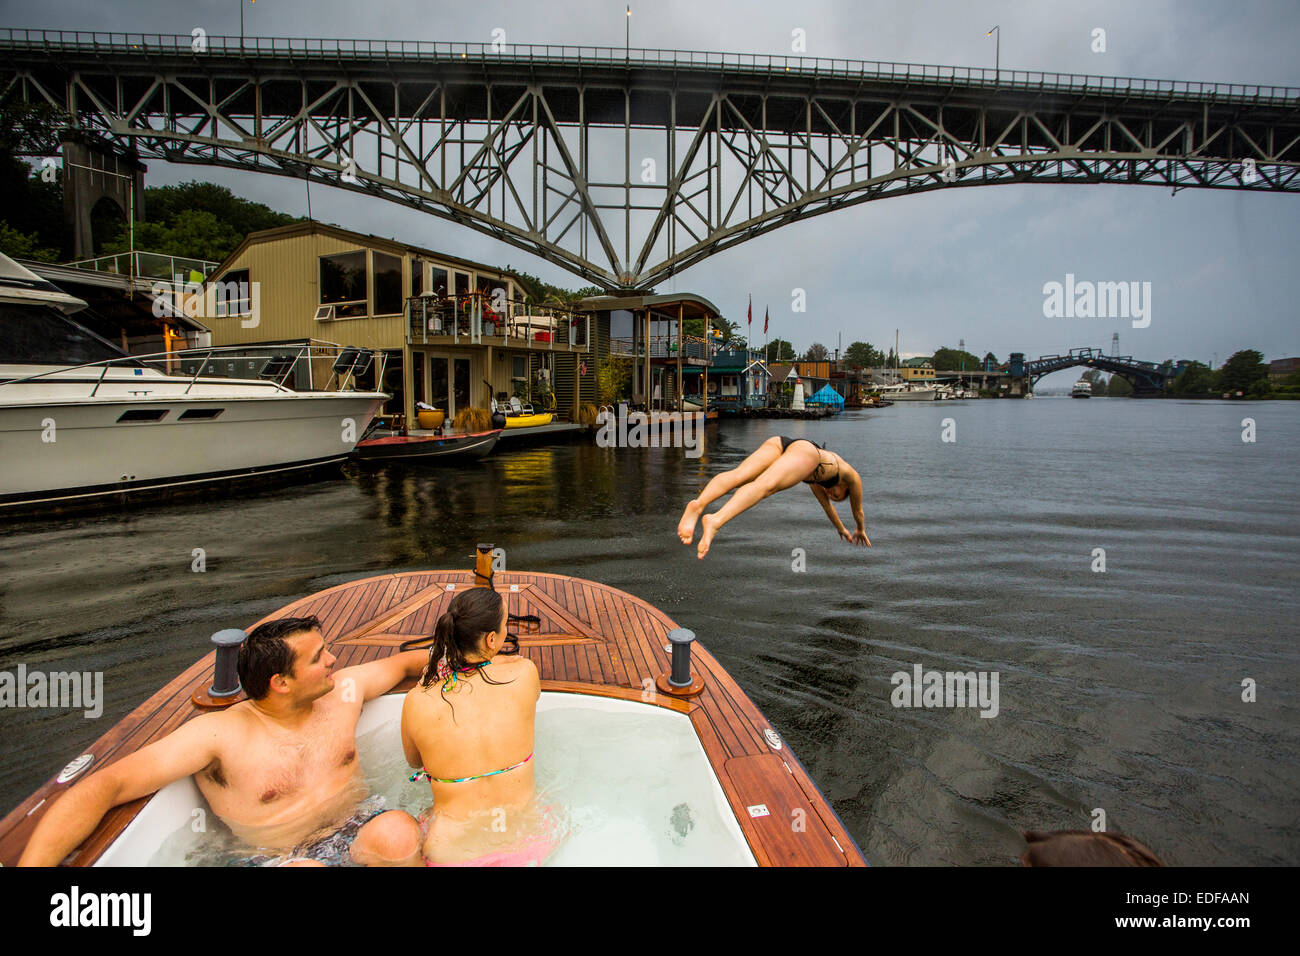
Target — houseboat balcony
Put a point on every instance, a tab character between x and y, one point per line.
665	347
471	321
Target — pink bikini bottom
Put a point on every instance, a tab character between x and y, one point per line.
532	851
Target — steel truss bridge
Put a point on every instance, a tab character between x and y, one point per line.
628	166
1147	378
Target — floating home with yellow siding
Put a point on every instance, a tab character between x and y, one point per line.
444	326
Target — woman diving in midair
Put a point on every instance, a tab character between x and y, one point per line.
779	463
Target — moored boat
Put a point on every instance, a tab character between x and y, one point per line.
662	755
528	421
421	448
82	423
909	393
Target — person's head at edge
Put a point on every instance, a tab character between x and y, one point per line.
1085	848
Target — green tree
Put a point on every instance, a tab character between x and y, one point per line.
198	220
1196	379
1095	378
193	233
614	379
22	245
1119	387
33	205
779	350
864	355
990	357
1242	370
816	353
952	360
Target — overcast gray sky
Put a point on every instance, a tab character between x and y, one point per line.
946	265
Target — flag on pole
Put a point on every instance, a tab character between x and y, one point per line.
766	316
751	311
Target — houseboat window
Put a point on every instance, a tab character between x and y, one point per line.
461	394
417	276
417	377
232	293
343	283
388	284
520	370
438	282
438	391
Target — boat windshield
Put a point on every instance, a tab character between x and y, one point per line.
42	335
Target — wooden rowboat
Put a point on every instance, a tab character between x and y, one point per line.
421	448
595	647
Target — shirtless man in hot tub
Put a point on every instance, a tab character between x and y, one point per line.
280	769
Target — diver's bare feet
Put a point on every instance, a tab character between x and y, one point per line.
708	528
686	527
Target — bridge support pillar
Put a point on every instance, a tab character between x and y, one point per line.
91	172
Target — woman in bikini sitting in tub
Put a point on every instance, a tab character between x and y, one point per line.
779	463
468	726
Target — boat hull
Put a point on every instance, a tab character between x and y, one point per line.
925	395
528	421
423	448
77	451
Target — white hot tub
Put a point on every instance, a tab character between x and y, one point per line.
631	781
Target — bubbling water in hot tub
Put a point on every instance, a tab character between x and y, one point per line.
628	784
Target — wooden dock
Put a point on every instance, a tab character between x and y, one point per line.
592	640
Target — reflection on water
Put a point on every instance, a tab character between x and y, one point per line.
1119	690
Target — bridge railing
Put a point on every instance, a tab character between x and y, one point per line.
56	41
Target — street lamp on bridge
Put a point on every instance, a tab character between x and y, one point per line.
997	52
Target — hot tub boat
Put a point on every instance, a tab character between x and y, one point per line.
701	764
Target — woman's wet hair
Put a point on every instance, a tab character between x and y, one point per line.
265	653
459	633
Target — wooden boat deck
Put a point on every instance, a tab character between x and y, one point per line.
592	639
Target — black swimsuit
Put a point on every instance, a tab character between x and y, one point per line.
825	482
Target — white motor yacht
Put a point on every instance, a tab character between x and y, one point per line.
1082	389
82	421
909	392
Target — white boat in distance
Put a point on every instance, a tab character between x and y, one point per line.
909	393
83	422
1082	389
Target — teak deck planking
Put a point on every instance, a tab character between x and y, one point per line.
592	640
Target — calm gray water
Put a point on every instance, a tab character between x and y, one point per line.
1119	691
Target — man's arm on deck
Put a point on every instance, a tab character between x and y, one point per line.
379	677
185	751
